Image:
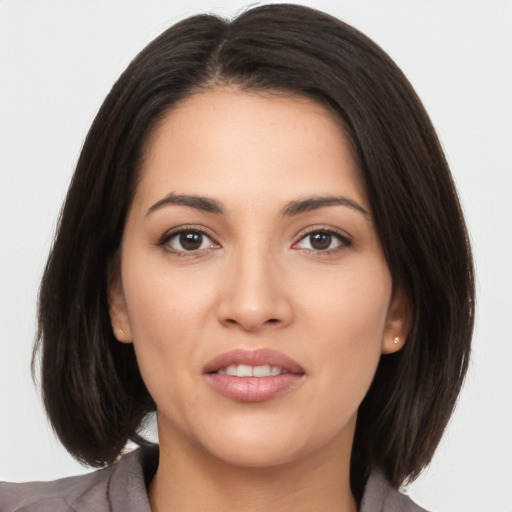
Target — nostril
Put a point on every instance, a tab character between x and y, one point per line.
270	321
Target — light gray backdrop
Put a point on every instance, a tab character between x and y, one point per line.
58	59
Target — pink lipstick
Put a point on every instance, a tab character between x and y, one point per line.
253	375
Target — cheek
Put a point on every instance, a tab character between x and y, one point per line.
348	320
350	303
164	318
168	314
163	302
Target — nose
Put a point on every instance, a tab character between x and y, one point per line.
253	295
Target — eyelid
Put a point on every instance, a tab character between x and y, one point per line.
345	239
186	228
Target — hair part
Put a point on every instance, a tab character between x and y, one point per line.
92	389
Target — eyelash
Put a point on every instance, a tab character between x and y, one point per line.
343	240
166	239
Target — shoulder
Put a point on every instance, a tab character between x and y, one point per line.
379	496
117	488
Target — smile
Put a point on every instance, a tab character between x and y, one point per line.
245	370
253	375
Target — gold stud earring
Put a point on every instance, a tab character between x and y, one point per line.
121	332
396	340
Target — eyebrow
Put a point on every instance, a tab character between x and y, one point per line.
315	203
199	203
293	208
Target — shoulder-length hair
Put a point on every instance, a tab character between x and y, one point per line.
92	388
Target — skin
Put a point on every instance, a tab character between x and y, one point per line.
256	281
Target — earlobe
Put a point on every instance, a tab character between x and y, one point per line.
397	323
118	312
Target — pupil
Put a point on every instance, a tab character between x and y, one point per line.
191	241
320	241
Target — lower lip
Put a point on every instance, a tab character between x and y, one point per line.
253	389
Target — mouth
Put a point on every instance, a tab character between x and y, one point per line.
253	375
245	370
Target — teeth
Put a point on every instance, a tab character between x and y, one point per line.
245	370
263	371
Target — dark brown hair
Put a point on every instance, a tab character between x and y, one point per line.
92	389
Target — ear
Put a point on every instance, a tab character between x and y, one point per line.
397	323
117	311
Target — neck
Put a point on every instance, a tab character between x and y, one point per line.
188	478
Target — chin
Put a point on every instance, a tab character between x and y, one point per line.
270	445
261	453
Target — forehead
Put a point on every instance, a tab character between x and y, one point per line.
229	143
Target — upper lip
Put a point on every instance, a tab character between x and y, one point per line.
258	357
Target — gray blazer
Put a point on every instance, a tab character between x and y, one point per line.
122	488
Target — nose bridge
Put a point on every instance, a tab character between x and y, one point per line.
253	270
254	296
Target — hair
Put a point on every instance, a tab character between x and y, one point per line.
92	389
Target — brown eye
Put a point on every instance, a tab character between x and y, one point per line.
189	241
320	241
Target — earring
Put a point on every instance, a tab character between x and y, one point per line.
120	331
396	340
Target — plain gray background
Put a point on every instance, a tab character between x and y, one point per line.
58	59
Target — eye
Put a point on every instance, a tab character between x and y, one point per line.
322	241
188	241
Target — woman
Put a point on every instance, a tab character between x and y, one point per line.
262	242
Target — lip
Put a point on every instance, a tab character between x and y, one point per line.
253	389
253	358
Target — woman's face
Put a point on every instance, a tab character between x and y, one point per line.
252	281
